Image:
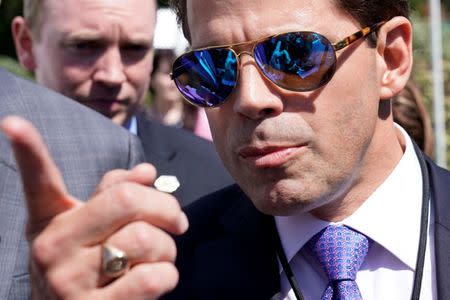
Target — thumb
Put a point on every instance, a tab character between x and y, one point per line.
43	184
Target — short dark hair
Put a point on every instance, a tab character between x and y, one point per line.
366	12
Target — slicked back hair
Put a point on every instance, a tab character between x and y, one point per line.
366	12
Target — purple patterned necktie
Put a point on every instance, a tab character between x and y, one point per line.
341	252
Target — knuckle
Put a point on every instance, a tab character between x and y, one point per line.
112	175
142	236
43	249
161	247
156	244
147	169
124	196
156	281
108	179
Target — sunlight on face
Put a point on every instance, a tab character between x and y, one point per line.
98	52
290	151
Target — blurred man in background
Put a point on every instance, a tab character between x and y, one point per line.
100	54
84	146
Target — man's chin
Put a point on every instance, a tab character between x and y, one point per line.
117	117
282	205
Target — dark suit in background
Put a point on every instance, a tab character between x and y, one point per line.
228	253
83	144
193	160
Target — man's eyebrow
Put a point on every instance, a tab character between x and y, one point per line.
82	35
139	40
89	35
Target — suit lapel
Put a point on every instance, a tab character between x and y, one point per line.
241	263
440	182
155	148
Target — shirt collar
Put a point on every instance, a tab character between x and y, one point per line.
131	125
378	217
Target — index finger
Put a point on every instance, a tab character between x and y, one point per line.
42	182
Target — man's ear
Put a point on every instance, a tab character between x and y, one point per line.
23	41
394	48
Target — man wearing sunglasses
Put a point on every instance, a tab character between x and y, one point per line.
333	200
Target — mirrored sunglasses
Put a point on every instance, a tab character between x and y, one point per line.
296	61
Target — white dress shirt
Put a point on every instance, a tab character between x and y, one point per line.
390	217
131	125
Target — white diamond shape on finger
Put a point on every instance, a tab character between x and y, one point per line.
167	183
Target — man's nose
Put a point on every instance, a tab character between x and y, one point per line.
255	96
110	69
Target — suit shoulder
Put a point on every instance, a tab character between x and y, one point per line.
67	126
440	181
26	91
439	175
35	102
169	135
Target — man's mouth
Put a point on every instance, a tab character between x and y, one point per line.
107	107
269	156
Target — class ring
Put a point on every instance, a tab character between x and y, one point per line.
115	262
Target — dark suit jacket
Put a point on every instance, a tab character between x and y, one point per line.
84	145
193	160
227	252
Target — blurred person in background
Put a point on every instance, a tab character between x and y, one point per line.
167	105
100	53
410	112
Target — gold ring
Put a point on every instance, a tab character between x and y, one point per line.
114	261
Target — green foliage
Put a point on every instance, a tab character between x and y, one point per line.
13	66
163	3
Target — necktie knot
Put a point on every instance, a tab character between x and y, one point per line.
341	252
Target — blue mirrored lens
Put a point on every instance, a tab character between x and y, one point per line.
300	61
206	77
